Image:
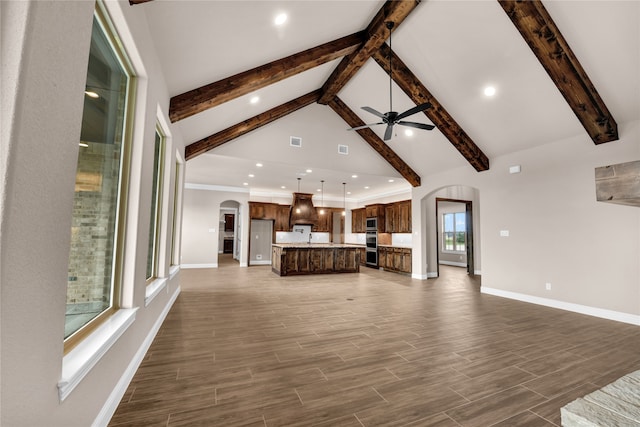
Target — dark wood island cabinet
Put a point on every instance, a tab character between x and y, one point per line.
295	259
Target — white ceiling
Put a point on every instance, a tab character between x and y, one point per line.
455	48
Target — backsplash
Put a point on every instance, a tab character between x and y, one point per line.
300	234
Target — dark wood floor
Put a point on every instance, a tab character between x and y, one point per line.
244	347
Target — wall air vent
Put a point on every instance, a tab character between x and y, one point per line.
295	141
343	149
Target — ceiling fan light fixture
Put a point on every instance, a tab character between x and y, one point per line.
391	118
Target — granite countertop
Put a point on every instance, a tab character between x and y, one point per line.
316	245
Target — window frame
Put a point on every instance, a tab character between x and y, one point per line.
103	19
157	216
454	232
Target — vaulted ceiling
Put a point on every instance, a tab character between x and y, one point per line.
559	68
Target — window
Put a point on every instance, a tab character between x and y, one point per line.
177	196
454	236
97	230
153	253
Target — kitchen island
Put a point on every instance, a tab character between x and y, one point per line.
288	259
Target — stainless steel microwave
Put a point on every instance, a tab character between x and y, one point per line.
372	223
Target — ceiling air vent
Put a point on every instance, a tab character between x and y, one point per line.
295	141
343	149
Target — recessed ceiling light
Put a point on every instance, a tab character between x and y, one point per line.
280	19
251	175
259	165
91	94
408	132
366	187
283	187
254	99
390	180
348	192
309	171
354	176
245	183
489	91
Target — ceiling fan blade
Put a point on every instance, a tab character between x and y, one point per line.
413	110
388	132
372	111
366	126
416	125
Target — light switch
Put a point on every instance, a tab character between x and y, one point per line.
504	233
514	169
212	230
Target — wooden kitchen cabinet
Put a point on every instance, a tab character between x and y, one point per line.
404	217
282	218
394	259
324	221
398	217
358	220
229	222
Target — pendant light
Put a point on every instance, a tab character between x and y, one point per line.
297	208
344	199
322	198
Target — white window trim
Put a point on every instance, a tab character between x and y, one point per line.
81	359
153	289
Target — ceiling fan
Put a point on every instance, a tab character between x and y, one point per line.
391	117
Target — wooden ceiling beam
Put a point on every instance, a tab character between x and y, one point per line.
554	53
438	115
374	141
377	32
242	128
211	95
132	2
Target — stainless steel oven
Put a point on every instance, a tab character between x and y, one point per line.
371	242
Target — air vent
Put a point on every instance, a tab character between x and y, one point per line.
295	141
343	149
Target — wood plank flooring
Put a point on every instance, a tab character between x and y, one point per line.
245	347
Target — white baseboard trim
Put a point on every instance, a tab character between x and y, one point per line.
432	274
477	272
576	308
213	265
110	406
454	264
261	262
243	264
419	276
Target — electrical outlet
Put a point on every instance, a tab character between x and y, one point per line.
548	286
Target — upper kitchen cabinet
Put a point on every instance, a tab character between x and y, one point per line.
229	222
324	221
358	220
398	217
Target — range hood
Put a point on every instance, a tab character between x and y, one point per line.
302	210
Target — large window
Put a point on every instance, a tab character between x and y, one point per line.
153	253
454	235
95	260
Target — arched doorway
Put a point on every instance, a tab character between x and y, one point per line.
463	199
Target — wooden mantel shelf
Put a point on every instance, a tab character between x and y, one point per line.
619	183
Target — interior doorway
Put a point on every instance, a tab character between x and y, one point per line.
454	234
229	233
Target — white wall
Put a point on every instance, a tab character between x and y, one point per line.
559	233
46	45
201	228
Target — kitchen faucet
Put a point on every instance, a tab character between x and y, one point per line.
309	238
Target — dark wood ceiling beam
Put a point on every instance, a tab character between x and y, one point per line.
374	141
377	32
242	128
554	53
211	95
438	115
132	2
